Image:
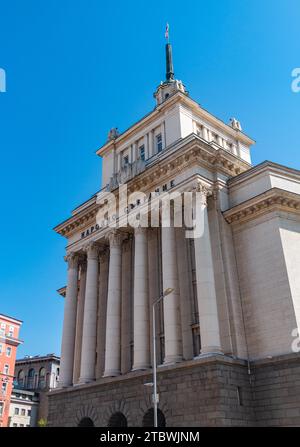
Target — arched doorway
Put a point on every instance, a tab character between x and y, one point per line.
86	422
117	420
148	419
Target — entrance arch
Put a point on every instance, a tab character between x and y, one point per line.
117	420
148	419
86	422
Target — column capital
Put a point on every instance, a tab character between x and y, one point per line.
92	250
204	191
72	259
115	239
140	230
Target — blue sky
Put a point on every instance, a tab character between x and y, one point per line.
77	68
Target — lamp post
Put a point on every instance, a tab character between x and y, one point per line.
155	395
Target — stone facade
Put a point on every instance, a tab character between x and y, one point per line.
233	290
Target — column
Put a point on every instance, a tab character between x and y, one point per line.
113	317
206	292
126	312
101	318
171	303
69	325
154	292
204	133
185	287
141	304
89	334
79	321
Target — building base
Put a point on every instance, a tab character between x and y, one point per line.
211	391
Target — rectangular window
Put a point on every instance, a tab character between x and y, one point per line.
28	412
17	411
1	349
4	388
3	326
23	412
158	143
21	425
6	369
125	160
11	331
8	351
1	408
15	425
2	332
142	152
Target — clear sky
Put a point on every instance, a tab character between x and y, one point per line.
76	68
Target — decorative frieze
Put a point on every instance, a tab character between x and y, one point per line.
273	199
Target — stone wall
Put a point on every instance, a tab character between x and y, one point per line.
213	391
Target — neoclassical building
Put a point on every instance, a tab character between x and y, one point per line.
226	335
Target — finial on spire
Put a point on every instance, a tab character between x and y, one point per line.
169	58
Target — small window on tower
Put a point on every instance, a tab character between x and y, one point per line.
159	142
125	160
142	152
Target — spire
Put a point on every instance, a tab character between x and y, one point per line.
169	63
171	85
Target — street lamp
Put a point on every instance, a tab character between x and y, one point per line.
155	395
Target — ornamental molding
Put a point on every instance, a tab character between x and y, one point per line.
274	199
191	151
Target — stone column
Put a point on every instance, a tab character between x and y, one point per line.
204	133
126	312
154	292
79	321
185	287
69	325
141	303
89	334
173	342
101	318
206	292
113	317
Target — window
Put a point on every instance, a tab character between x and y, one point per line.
1	349
1	408
15	425
30	380
21	425
8	351
125	160
4	387
28	412
158	143
6	369
2	332
142	152
11	331
21	378
42	377
23	412
17	411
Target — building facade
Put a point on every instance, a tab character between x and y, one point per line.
9	341
23	410
226	334
36	375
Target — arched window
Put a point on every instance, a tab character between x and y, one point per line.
117	420
21	378
86	422
148	419
30	379
42	378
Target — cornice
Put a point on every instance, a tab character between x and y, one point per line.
274	199
182	98
190	151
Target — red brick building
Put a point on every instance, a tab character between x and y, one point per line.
9	341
